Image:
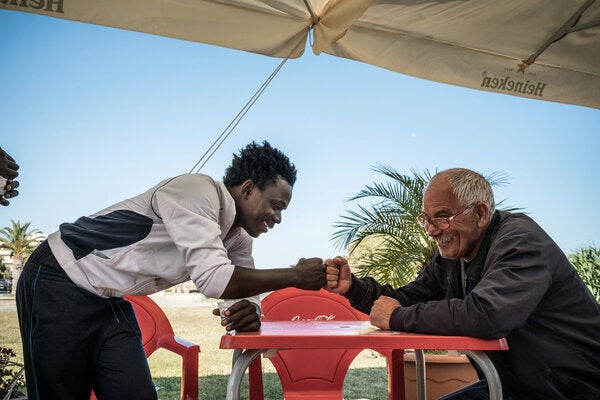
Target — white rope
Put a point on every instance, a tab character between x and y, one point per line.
232	125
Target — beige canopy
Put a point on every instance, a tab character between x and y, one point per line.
540	49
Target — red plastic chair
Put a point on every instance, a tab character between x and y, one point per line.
316	374
157	332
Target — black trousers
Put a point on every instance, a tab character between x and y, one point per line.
75	341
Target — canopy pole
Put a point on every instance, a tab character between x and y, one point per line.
236	120
565	29
310	11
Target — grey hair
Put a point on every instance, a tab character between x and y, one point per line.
469	186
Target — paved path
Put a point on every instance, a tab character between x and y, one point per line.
7	302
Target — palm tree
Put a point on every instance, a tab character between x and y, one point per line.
20	242
384	239
586	261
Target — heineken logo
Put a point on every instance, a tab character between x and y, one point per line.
45	5
506	84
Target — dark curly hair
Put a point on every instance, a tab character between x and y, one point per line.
262	164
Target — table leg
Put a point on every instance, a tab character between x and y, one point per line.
395	363
421	376
241	361
236	354
488	369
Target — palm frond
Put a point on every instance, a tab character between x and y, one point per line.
18	239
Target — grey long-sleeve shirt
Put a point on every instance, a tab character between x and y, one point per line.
178	230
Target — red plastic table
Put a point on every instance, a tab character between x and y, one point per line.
353	335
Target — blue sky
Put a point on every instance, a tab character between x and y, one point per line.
94	115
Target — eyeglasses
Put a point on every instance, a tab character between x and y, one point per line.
441	222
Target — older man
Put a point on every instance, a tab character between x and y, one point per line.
495	274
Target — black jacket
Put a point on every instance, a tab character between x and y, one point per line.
520	286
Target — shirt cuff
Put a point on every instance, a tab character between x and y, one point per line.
396	321
357	290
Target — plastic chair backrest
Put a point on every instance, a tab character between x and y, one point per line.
293	304
308	374
157	332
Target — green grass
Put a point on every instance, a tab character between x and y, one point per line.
367	378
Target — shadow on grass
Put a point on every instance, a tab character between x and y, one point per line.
360	383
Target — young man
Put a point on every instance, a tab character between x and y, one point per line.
495	274
80	334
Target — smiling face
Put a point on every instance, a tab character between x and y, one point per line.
257	210
466	231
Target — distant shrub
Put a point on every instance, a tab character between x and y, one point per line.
11	373
586	261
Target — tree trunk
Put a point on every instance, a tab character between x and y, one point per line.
15	270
